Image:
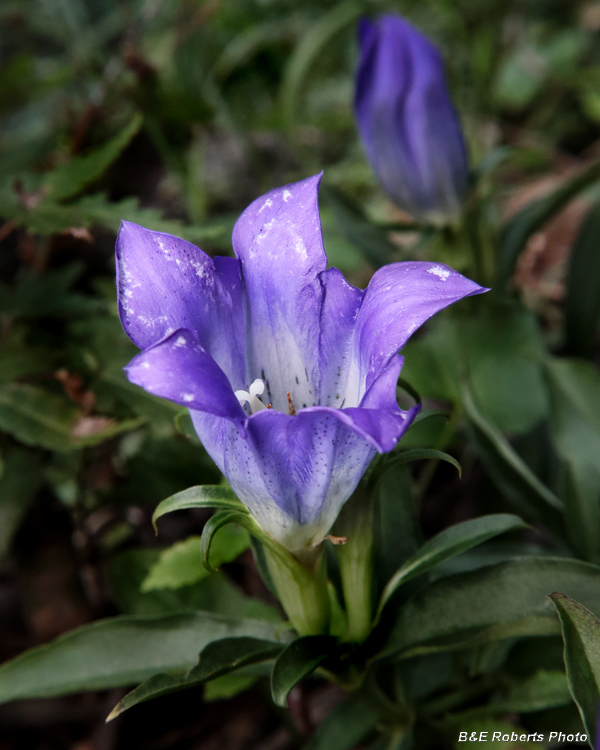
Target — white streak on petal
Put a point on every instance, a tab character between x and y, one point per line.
442	273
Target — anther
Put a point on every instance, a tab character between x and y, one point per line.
291	407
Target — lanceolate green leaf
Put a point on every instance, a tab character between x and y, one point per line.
582	310
182	563
297	661
216	659
510	599
520	227
69	179
508	470
577	382
204	496
36	417
309	49
423	415
120	651
448	544
419	454
581	635
574	387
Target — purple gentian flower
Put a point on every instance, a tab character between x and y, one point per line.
273	327
406	120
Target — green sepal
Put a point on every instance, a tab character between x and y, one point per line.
301	588
216	522
202	496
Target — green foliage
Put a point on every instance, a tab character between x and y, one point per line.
199	497
345	727
493	603
530	219
19	481
582	309
176	118
520	486
182	564
575	422
36	417
218	658
296	662
69	179
446	545
119	651
581	635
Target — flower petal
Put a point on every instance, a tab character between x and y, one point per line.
293	473
379	418
279	244
399	299
165	283
341	304
180	369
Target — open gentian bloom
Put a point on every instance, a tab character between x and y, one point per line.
288	371
407	122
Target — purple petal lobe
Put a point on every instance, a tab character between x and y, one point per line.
407	122
165	283
399	299
293	473
180	369
378	418
340	307
278	242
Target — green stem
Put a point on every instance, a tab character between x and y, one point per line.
355	557
302	590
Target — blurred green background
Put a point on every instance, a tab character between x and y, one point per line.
176	114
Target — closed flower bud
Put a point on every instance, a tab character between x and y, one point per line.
407	122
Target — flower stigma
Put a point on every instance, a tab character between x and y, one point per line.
252	396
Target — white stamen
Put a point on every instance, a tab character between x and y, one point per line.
256	389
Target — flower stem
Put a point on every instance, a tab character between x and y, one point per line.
356	562
302	590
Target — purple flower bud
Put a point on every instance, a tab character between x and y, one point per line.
407	122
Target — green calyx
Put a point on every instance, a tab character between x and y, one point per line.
302	589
